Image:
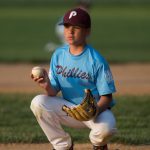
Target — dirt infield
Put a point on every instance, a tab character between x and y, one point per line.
76	147
129	78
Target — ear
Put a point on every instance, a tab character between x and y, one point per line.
88	32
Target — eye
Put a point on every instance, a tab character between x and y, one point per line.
77	27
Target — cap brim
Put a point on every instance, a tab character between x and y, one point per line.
65	23
68	23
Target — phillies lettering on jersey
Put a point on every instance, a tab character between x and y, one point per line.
73	73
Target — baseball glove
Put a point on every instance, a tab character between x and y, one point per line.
84	111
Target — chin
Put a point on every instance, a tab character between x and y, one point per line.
70	42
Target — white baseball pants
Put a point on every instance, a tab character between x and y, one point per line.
49	114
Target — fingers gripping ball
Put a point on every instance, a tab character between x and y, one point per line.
37	72
84	111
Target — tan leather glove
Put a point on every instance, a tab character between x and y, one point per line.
84	111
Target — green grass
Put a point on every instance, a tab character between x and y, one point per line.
120	33
133	115
17	123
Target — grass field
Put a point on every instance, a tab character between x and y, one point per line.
121	33
17	123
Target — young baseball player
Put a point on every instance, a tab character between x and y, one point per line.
75	67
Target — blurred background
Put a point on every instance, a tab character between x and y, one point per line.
28	37
120	29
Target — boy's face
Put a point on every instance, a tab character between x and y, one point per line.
75	35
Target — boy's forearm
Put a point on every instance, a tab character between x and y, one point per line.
50	91
104	102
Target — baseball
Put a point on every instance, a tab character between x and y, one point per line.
37	72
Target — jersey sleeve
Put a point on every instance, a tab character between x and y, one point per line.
52	75
104	79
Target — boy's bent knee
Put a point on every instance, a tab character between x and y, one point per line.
36	105
101	137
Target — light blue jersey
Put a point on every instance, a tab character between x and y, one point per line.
72	74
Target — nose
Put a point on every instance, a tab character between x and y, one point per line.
71	29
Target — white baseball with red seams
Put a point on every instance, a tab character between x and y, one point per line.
37	72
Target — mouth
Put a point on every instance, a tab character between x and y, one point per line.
70	38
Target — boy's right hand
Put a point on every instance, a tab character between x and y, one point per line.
43	81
